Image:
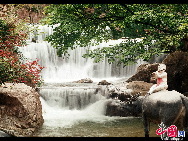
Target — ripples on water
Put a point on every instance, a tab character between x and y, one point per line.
89	122
122	127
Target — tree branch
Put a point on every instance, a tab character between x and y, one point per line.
145	23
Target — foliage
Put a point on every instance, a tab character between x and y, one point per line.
30	13
12	66
162	27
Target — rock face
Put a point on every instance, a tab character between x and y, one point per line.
177	70
20	110
124	109
144	72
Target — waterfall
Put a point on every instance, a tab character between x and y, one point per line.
64	69
58	117
76	97
65	103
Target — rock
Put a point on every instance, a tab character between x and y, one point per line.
185	94
177	66
139	87
144	72
86	80
113	108
123	109
124	97
3	134
20	110
104	82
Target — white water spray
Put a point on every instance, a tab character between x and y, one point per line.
63	69
66	106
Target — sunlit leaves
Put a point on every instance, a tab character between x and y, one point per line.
162	27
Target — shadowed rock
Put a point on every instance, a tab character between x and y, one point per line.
104	82
144	72
176	68
139	87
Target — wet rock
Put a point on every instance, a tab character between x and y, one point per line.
104	82
114	109
113	95
185	94
20	110
86	80
124	109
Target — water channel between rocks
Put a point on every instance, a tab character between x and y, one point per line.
78	110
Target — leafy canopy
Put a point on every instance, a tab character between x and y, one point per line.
162	28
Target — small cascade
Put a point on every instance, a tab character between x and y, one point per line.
71	97
58	117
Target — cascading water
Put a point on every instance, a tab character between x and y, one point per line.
63	69
72	97
65	103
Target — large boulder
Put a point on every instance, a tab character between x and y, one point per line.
144	72
177	70
20	110
114	108
139	87
122	101
104	82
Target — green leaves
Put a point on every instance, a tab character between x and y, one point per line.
161	26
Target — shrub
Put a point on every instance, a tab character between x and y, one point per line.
12	66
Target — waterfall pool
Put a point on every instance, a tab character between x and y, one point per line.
118	127
77	110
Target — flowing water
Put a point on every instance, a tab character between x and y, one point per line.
78	110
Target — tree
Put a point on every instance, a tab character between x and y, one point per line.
30	13
13	67
163	28
14	20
